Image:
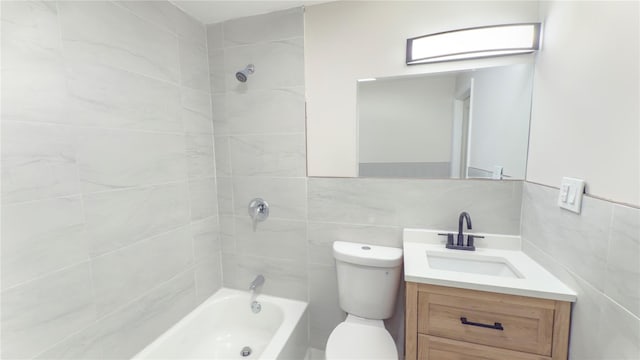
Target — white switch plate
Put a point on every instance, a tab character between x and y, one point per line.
571	191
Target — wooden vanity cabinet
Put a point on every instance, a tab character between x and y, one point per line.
444	323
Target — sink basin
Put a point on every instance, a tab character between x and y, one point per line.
472	263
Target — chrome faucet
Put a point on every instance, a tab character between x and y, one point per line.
257	282
463	216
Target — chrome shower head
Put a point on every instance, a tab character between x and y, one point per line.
244	73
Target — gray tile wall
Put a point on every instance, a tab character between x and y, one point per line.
596	253
260	152
109	204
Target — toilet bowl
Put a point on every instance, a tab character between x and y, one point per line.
368	279
358	338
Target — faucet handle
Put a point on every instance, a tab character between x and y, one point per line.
449	237
470	239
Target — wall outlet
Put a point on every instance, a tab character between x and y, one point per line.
571	191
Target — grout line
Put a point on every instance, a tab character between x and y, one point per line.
85	127
261	42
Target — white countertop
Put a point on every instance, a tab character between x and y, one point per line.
535	281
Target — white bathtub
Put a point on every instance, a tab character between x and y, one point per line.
224	324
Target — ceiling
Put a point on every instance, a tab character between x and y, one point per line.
213	11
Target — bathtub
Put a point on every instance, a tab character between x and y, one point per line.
225	324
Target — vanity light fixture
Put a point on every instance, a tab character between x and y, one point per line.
367	79
473	43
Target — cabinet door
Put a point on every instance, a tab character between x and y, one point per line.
496	320
435	348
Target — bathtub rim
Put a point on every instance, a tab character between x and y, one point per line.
293	313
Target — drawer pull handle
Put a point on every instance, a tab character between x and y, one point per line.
496	326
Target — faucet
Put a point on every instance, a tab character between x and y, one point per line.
258	281
463	215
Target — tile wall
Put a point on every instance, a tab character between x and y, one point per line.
595	253
109	205
260	152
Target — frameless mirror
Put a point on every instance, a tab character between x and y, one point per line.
462	124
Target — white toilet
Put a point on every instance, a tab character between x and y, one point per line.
368	279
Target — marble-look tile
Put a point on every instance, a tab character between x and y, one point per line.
200	157
114	159
494	206
265	111
125	274
38	161
283	277
206	239
170	17
83	345
357	201
579	241
196	111
119	218
217	71
278	64
123	99
586	311
324	307
130	329
203	198
33	76
225	195
40	237
190	29
271	155
218	106
208	274
322	235
274	238
223	161
287	197
194	67
619	333
227	234
105	33
38	314
267	27
215	36
30	24
623	262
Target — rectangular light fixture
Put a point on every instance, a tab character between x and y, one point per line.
473	43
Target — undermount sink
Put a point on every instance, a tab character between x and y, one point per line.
472	263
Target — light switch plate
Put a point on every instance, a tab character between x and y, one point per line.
571	191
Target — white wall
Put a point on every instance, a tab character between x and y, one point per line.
501	107
586	99
405	120
349	40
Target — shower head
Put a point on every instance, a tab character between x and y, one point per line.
244	73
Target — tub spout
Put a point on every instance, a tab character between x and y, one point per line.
257	282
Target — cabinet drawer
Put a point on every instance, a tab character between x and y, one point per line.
434	348
497	320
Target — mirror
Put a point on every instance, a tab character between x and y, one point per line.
461	124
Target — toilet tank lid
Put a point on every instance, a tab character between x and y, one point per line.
368	255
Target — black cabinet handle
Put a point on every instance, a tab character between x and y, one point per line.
495	326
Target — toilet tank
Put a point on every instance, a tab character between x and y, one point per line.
368	278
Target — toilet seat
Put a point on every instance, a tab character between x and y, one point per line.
353	340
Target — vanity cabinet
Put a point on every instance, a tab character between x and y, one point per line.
445	323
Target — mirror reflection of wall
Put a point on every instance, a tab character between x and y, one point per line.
465	124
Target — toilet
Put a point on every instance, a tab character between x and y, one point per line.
368	279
